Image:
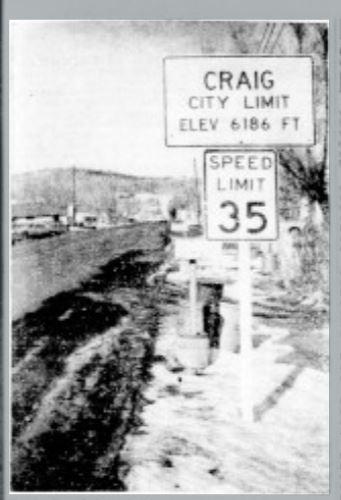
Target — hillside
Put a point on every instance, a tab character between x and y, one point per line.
93	188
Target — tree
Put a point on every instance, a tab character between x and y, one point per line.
308	167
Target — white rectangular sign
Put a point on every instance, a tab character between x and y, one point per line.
240	195
238	100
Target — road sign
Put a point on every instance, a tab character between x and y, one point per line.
240	195
215	101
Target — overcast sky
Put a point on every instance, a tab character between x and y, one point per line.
90	93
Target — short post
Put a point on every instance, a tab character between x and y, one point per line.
245	294
193	296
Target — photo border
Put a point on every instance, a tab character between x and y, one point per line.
193	10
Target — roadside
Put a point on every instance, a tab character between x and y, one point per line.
193	438
102	402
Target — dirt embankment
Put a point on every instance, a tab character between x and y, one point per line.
80	364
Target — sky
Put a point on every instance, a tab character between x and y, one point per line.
90	93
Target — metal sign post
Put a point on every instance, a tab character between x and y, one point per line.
193	297
240	197
245	305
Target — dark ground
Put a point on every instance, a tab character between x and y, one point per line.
80	364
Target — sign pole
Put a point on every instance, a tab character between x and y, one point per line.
245	298
193	296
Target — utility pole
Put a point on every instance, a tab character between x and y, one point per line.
74	200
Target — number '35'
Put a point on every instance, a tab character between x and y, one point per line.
253	211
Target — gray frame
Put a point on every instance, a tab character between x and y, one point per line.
196	9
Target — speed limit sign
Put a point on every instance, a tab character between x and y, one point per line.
240	195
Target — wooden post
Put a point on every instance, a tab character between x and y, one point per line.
245	294
193	296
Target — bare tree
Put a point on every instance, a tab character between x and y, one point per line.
308	167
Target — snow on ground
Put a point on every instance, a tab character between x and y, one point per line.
193	439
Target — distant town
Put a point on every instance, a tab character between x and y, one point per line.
50	202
